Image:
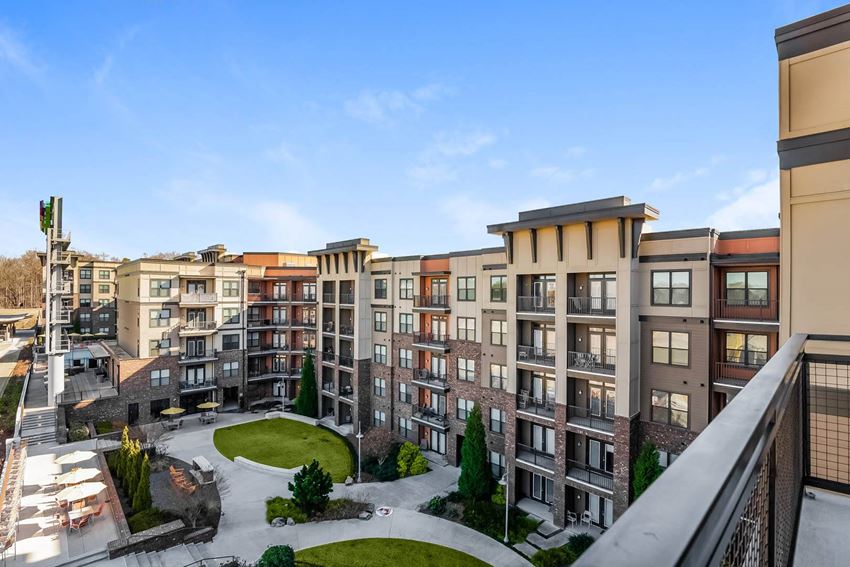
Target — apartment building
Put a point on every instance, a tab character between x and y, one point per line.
580	303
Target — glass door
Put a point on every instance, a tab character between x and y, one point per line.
538	293
196	286
195	347
438	366
610	295
610	403
439	289
196	317
439	328
595	294
596	400
542	488
438	403
438	442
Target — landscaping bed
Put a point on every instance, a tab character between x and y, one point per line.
381	552
339	509
485	516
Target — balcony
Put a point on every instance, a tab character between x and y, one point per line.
329	357
268	298
587	474
535	406
197	385
346	391
427	379
268	323
346	361
266	373
431	303
328	387
535	304
734	374
328	297
535	457
346	331
592	306
593	363
433	341
755	310
198	358
266	348
303	298
195	327
62	315
583	417
303	324
431	417
539	356
346	298
198	299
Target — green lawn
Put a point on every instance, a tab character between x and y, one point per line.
380	552
286	443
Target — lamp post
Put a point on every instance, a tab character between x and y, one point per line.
359	437
504	482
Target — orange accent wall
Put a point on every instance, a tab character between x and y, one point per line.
438	265
748	245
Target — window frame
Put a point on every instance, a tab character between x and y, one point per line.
466	408
465	292
379	386
670	288
502	376
466	330
502	333
502	420
402	326
228	336
668	408
405	395
502	295
376	356
468	374
228	289
159	377
669	347
379	321
405	288
380	290
747	302
405	358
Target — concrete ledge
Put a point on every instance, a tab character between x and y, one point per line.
277	471
292	416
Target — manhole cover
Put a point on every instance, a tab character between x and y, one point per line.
384	511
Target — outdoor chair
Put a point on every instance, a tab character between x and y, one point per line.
99	510
572	519
523	399
586	518
64	521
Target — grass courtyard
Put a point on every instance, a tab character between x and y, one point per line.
287	444
381	552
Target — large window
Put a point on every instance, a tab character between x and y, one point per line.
160	288
381	288
497	464
230	289
744	348
86	318
157	346
405	358
85	288
671	288
669	347
160	377
466	328
160	317
380	354
230	342
379	418
746	288
464	407
497	420
670	408
230	315
405	323
103	275
85	273
465	369
404	393
498	333
405	288
103	288
405	427
380	386
381	321
499	288
499	376
230	369
103	317
466	289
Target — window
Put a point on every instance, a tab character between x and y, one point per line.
160	377
499	288
499	376
405	427
103	288
404	393
466	289
254	287
160	317
85	302
104	330
159	405
381	288
405	288
669	347
466	369
85	317
497	420
381	321
103	275
157	346
498	333
230	342
405	358
85	330
230	289
466	328
670	408
380	354
230	369
379	418
743	348
85	273
85	288
380	386
103	316
665	459
309	291
497	464
230	315
671	288
405	323
746	288
104	302
464	407
160	288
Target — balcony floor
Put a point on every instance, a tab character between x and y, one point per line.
822	534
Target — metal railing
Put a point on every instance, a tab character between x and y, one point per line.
431	339
303	323
267	323
76	396
257	347
346	330
732	498
586	473
346	391
328	356
535	355
430	415
252	297
198	298
747	310
211	353
735	373
198	325
303	298
431	301
537	406
424	376
345	360
535	457
583	417
346	298
536	303
187	386
598	306
592	362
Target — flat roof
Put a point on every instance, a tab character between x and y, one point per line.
599	209
7	319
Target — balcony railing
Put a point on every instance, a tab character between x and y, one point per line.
431	339
590	475
198	298
593	362
598	306
535	457
186	357
583	417
346	330
258	347
535	355
328	356
328	297
304	323
267	323
346	298
268	297
735	373
303	297
345	360
536	304
188	386
763	310
430	416
431	301
196	325
328	387
428	378
346	391
537	406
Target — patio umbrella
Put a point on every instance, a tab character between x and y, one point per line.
208	405
77	476
172	411
75	457
81	491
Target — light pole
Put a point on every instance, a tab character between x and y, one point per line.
504	482
359	437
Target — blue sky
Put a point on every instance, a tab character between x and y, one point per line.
284	125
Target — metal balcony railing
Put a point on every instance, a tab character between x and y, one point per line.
212	353
303	297
328	297
763	310
536	304
598	306
430	416
535	457
188	386
267	323
196	325
586	473
346	298
345	360
328	356
346	330
593	362
304	323
431	301
535	355
583	417
537	406
346	391
428	378
431	339
261	346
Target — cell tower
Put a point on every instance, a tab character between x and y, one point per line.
57	291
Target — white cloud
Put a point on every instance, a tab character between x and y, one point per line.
456	143
280	154
754	207
428	173
662	183
576	152
497	164
558	174
469	216
102	72
15	53
380	108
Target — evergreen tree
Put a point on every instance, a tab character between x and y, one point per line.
647	469
311	487
123	452
307	402
277	556
475	477
142	495
131	475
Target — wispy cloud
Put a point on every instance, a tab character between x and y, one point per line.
680	177
497	164
430	173
101	72
456	143
558	174
754	206
280	154
576	152
383	107
437	162
469	215
15	53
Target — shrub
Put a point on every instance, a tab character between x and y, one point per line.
342	509
78	432
307	401
279	507
142	494
489	519
277	556
410	461
475	476
579	543
437	505
102	427
384	470
498	497
555	557
310	488
145	520
454	497
647	469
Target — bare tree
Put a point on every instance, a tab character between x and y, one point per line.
377	444
161	255
21	281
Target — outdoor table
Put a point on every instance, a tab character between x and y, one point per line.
80	513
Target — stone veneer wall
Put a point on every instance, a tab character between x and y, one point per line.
626	448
